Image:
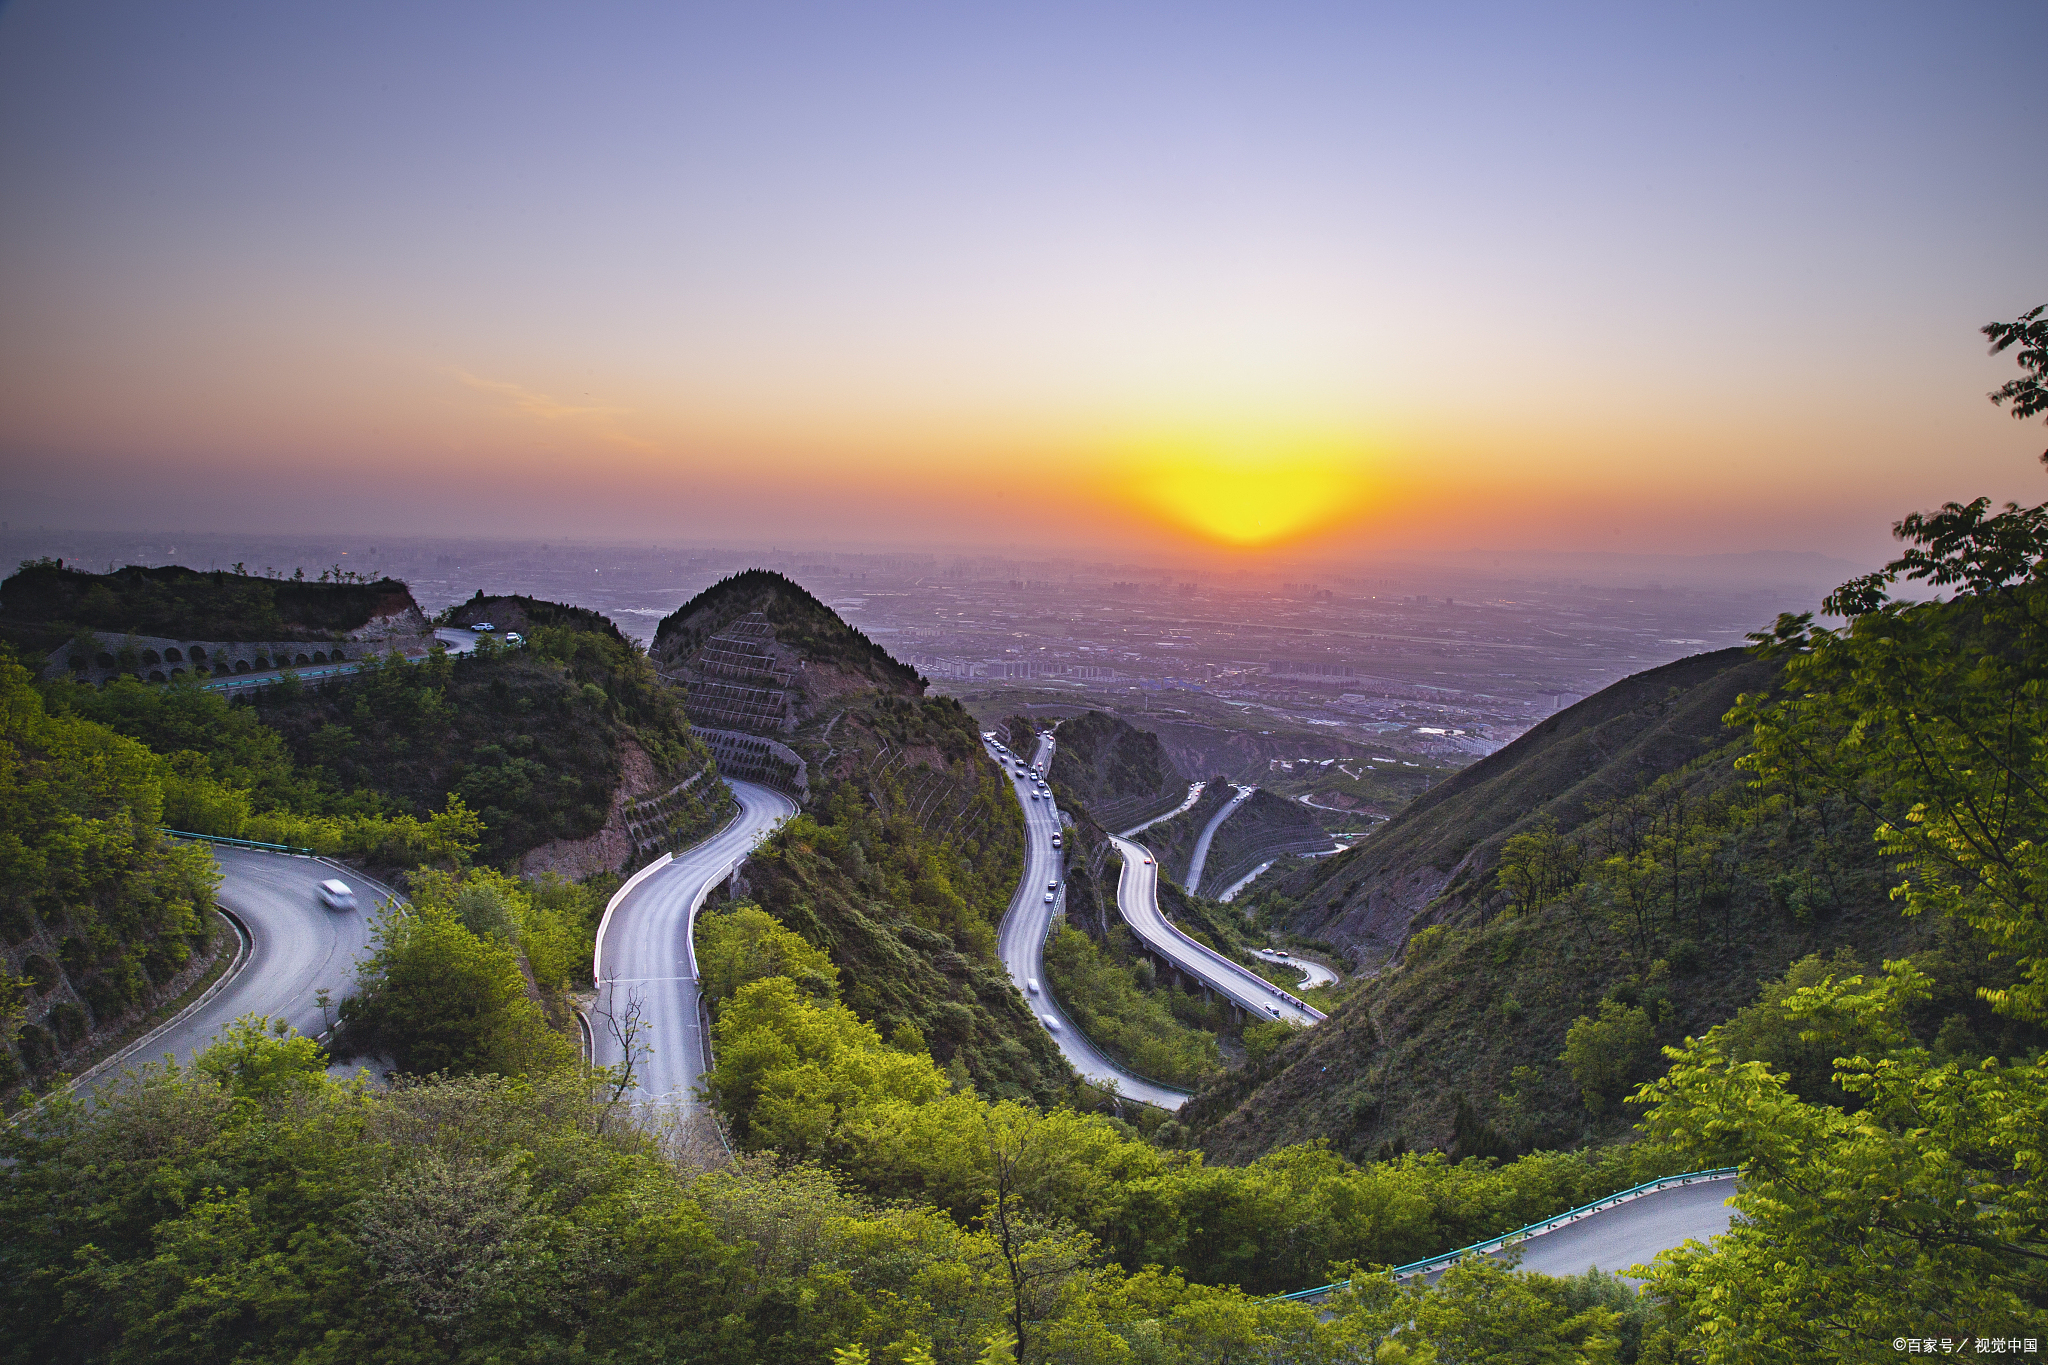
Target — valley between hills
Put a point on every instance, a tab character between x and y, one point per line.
978	1026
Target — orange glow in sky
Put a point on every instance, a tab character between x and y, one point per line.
1250	491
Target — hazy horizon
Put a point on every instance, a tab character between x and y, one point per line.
1311	284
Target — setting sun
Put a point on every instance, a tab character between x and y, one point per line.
1249	493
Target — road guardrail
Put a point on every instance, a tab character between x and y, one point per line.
1491	1244
235	843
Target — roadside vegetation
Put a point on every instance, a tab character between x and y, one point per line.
98	912
1882	1091
1113	996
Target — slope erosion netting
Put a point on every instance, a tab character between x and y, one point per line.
800	621
1119	772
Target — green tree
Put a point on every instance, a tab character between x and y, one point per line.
1933	716
749	944
439	998
1926	1212
2029	393
1607	1054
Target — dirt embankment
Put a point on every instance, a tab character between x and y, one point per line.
611	848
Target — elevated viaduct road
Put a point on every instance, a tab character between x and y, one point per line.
1020	940
297	948
646	965
1200	857
1137	897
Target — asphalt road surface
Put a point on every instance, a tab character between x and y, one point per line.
1137	897
1230	893
1194	795
1623	1235
299	947
1200	857
1020	940
645	957
1314	974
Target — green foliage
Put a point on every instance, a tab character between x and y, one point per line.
1925	1208
81	863
438	997
46	603
1263	1037
513	733
805	1077
1933	717
908	915
1607	1054
1154	1032
2029	393
747	944
791	1071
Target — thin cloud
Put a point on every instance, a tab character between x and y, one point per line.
600	420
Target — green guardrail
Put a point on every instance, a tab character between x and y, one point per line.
232	843
1423	1267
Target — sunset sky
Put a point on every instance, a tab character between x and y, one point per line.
1346	278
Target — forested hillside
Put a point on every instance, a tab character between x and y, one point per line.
45	604
886	1208
909	845
1119	772
102	917
534	742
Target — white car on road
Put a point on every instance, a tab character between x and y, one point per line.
337	895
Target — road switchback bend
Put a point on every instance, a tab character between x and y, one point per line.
298	948
1200	857
1137	897
1021	941
646	961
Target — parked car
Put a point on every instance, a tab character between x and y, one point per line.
337	895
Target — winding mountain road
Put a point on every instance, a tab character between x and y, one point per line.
1020	940
1313	974
1137	897
1624	1235
646	965
1200	857
297	948
1194	795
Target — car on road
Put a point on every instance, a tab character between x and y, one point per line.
483	627
337	895
1048	898
1148	862
1032	985
1052	1025
513	637
1053	885
1279	952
